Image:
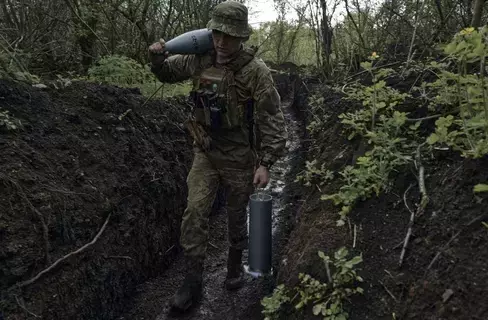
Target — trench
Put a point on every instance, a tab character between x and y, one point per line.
151	300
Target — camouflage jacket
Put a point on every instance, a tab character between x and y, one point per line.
253	81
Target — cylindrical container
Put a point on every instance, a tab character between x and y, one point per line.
260	233
191	42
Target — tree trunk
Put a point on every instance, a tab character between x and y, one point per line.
326	39
477	13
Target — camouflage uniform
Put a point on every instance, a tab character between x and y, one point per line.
234	151
232	159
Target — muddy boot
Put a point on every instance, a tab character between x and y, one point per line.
235	273
191	289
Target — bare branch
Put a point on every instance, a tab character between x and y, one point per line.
68	3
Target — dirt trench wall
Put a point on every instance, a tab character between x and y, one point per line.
83	153
455	286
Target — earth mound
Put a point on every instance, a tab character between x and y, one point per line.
88	163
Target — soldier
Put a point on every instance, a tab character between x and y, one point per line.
239	132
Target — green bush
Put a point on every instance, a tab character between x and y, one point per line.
327	299
125	72
463	94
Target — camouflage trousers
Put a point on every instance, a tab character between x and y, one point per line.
203	182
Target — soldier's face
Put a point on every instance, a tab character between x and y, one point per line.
225	44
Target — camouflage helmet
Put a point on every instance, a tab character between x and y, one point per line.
230	17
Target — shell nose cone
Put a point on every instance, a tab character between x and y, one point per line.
192	42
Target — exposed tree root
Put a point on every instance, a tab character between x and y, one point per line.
420	209
86	246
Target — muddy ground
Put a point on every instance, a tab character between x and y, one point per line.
455	286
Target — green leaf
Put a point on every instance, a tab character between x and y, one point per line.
450	48
366	65
480	188
461	46
321	255
356	260
317	309
433	138
415	126
340	223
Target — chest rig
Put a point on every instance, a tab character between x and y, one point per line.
215	102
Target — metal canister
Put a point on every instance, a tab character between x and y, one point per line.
260	233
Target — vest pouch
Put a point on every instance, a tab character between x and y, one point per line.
215	112
201	111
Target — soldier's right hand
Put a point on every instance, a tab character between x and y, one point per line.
156	51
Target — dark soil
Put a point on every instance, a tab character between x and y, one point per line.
74	164
454	287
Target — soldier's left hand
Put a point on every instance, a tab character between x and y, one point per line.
261	177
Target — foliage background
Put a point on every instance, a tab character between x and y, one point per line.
68	36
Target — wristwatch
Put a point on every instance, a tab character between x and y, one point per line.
265	164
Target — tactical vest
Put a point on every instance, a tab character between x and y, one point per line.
214	95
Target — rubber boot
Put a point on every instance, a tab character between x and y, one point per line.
235	272
191	289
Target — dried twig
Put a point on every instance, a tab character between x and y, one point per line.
409	57
389	273
329	277
120	257
25	309
410	225
425	199
86	246
350	228
124	114
398	245
389	292
420	209
170	248
212	245
405	198
152	95
435	116
355	233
